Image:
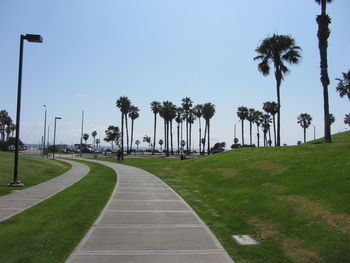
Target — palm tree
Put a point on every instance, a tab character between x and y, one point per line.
3	122
112	135
323	33
277	49
198	112
179	119
272	108
148	140
93	134
97	142
85	137
161	143
123	103
344	85
13	128
186	105
137	142
347	119
265	125
155	107
258	120
251	118
242	113
191	118
168	112
133	115
331	120
304	120
208	113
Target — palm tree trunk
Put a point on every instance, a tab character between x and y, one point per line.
274	128
269	136
304	135
200	135
186	136
190	136
165	133
250	131
178	138
132	133
242	132
205	135
278	76
122	150
258	135
167	138
154	134
323	33
127	133
208	136
171	137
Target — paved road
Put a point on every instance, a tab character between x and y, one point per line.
21	200
146	221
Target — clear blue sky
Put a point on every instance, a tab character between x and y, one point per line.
96	51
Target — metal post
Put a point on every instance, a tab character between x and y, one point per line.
48	140
81	137
18	115
44	144
54	140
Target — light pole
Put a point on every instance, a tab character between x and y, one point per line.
29	38
81	137
54	137
44	144
314	132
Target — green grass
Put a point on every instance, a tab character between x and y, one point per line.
294	200
49	231
32	170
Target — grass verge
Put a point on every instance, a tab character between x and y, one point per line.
32	170
293	200
49	231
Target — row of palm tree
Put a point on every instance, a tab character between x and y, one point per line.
186	113
7	127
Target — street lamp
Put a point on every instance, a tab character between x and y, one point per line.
44	149
54	137
29	38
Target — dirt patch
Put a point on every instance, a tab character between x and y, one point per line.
273	187
320	212
227	172
172	171
269	166
294	250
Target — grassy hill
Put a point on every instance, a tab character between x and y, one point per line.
32	170
294	200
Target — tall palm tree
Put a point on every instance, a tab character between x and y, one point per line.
168	112
323	33
198	112
133	115
258	120
208	113
85	137
272	108
344	85
155	107
304	120
265	125
250	118
123	103
191	118
347	119
179	119
242	113
172	116
187	105
277	50
93	134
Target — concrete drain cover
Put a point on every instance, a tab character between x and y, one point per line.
244	240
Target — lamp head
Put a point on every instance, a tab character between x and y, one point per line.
33	38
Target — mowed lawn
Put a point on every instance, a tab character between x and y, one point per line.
295	201
32	170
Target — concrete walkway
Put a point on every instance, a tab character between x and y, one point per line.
21	200
146	221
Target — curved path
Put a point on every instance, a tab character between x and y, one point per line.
21	200
146	221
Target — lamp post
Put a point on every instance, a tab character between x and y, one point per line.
54	137
48	140
44	144
29	38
